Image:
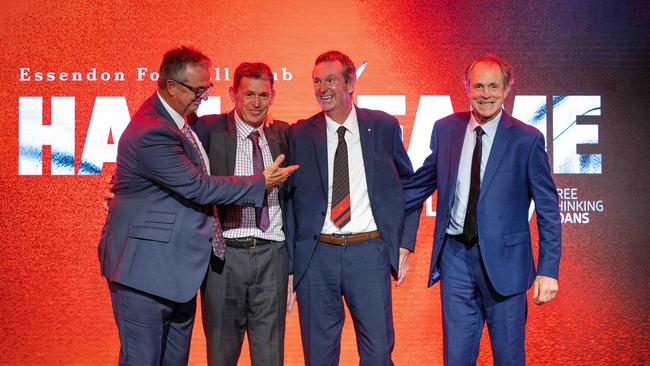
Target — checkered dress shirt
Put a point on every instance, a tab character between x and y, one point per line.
239	221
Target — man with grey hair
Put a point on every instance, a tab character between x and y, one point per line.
487	166
160	230
347	232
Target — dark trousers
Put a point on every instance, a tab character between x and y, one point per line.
469	301
360	273
153	330
246	293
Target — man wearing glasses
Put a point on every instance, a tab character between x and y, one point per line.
161	225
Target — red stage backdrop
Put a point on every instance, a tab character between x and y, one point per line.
73	72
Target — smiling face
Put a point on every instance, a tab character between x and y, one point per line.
486	91
333	93
252	100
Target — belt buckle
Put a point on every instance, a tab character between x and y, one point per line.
341	236
254	241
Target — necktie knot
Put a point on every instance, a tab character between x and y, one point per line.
254	136
341	131
479	131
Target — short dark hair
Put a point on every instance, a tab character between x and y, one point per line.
506	69
349	70
255	70
176	60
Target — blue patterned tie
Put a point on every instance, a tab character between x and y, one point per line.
218	243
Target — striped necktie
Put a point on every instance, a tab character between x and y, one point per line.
341	212
218	243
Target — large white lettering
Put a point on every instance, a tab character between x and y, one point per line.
32	135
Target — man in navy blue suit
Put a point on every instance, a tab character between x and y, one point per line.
160	229
486	167
346	226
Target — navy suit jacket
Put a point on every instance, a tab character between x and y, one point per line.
516	172
386	164
218	134
157	236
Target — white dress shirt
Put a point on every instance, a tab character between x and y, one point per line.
361	219
459	207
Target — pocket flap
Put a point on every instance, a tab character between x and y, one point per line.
161	217
517	238
150	233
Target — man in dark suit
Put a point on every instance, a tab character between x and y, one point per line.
487	166
247	291
159	233
346	227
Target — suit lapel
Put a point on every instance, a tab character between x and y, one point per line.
188	146
456	139
499	146
273	141
366	134
319	136
160	108
230	141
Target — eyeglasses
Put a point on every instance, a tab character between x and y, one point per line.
198	92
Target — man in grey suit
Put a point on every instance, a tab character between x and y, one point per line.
160	231
246	292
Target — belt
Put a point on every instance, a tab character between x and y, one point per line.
461	239
345	239
247	242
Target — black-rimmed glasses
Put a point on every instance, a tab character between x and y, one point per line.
198	92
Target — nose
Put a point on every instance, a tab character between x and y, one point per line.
485	93
256	101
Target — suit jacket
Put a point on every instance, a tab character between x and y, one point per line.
157	236
218	134
517	171
386	164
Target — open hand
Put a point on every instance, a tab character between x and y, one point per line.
275	175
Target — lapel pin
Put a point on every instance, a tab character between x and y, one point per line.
370	130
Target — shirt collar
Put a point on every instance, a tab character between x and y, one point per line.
178	119
244	130
490	128
351	123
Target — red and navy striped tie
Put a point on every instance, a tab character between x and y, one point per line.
341	211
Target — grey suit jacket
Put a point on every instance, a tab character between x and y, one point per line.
218	134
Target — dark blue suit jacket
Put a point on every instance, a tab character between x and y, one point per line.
386	164
517	171
157	236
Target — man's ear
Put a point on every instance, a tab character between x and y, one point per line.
233	95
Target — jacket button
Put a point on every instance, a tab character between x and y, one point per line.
322	213
315	237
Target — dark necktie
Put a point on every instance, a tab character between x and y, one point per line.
218	243
341	211
261	213
470	228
